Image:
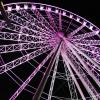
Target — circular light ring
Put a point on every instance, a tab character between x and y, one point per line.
53	9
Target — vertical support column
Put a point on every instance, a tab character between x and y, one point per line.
72	74
91	60
71	84
87	84
26	82
53	77
84	64
46	75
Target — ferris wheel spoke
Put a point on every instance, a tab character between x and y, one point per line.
83	54
32	19
71	83
91	51
23	59
20	47
87	84
93	55
65	58
19	84
84	64
87	42
59	75
51	20
19	81
88	47
36	25
47	72
97	59
54	76
68	26
41	18
91	48
20	37
85	35
95	72
21	88
75	31
60	21
23	30
25	23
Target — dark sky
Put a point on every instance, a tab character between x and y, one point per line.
88	9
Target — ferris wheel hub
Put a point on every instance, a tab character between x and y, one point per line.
60	34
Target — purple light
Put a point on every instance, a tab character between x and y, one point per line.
33	7
25	6
9	9
17	7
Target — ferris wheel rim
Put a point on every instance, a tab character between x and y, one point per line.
51	11
61	9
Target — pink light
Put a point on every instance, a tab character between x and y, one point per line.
17	7
33	7
56	11
41	7
25	6
71	16
9	8
64	13
60	34
49	9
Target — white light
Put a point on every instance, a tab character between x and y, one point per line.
97	32
9	8
91	27
56	11
84	23
41	8
71	16
25	6
48	9
78	19
64	13
17	7
33	7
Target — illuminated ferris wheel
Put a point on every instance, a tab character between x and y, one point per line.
51	44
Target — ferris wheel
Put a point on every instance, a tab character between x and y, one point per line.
49	44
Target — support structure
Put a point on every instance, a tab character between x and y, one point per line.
73	77
46	75
87	84
23	59
22	87
84	64
53	77
71	83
